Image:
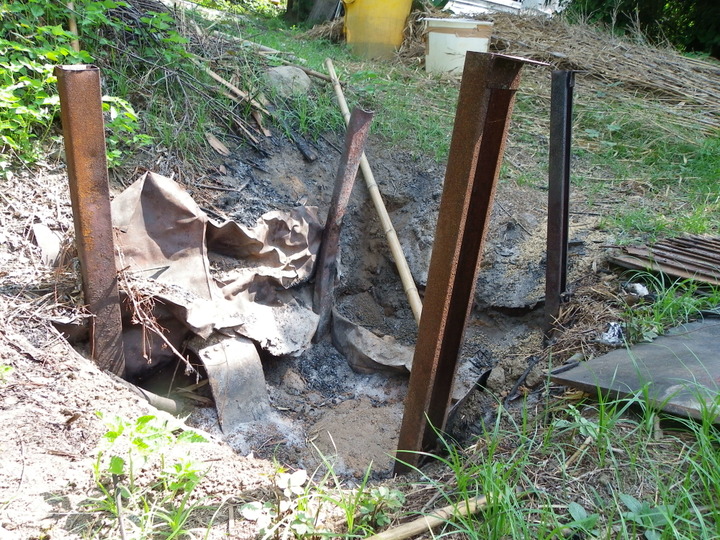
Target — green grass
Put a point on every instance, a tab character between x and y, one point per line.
144	486
604	469
675	302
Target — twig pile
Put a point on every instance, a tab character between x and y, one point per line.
664	73
661	72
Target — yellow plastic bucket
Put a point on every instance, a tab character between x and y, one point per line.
374	28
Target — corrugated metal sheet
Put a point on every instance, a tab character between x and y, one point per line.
692	257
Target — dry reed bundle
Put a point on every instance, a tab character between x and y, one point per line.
661	72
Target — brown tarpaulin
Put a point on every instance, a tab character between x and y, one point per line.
165	241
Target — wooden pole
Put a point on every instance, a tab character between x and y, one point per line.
404	270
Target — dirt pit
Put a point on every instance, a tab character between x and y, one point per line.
323	412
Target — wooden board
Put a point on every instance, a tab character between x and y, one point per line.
681	369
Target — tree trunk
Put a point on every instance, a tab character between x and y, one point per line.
322	10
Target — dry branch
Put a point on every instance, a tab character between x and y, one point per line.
263	49
242	94
433	521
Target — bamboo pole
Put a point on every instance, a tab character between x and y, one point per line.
433	521
72	26
392	238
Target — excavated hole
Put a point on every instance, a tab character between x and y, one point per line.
321	408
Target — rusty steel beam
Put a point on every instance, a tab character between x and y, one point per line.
84	133
356	135
487	95
561	98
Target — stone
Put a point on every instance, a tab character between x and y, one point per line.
288	81
496	379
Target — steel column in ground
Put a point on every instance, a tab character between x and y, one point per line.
558	194
357	132
487	95
84	133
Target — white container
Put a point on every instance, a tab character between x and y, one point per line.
448	40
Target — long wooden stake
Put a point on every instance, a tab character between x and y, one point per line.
433	521
392	238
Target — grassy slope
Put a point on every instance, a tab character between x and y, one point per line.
627	146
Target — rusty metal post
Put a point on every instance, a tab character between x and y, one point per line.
84	133
561	97
487	95
356	135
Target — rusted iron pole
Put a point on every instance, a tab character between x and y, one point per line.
561	98
84	133
356	135
393	242
487	95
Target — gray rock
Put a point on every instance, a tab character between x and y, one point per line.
288	80
496	379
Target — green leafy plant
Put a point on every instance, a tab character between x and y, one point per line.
33	42
582	520
673	302
5	371
377	506
288	510
650	519
123	129
299	502
161	502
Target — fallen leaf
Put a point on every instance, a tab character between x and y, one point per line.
219	147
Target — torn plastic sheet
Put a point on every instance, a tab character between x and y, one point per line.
166	240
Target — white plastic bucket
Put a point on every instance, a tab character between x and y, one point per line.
448	40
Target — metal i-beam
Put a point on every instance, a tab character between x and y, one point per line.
84	133
561	98
487	95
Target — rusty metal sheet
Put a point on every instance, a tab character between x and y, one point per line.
690	257
236	378
681	370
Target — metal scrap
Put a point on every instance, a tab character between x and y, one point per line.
690	257
84	133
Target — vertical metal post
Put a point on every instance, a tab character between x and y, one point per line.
558	194
84	133
356	135
487	95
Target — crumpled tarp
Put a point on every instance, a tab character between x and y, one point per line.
165	237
